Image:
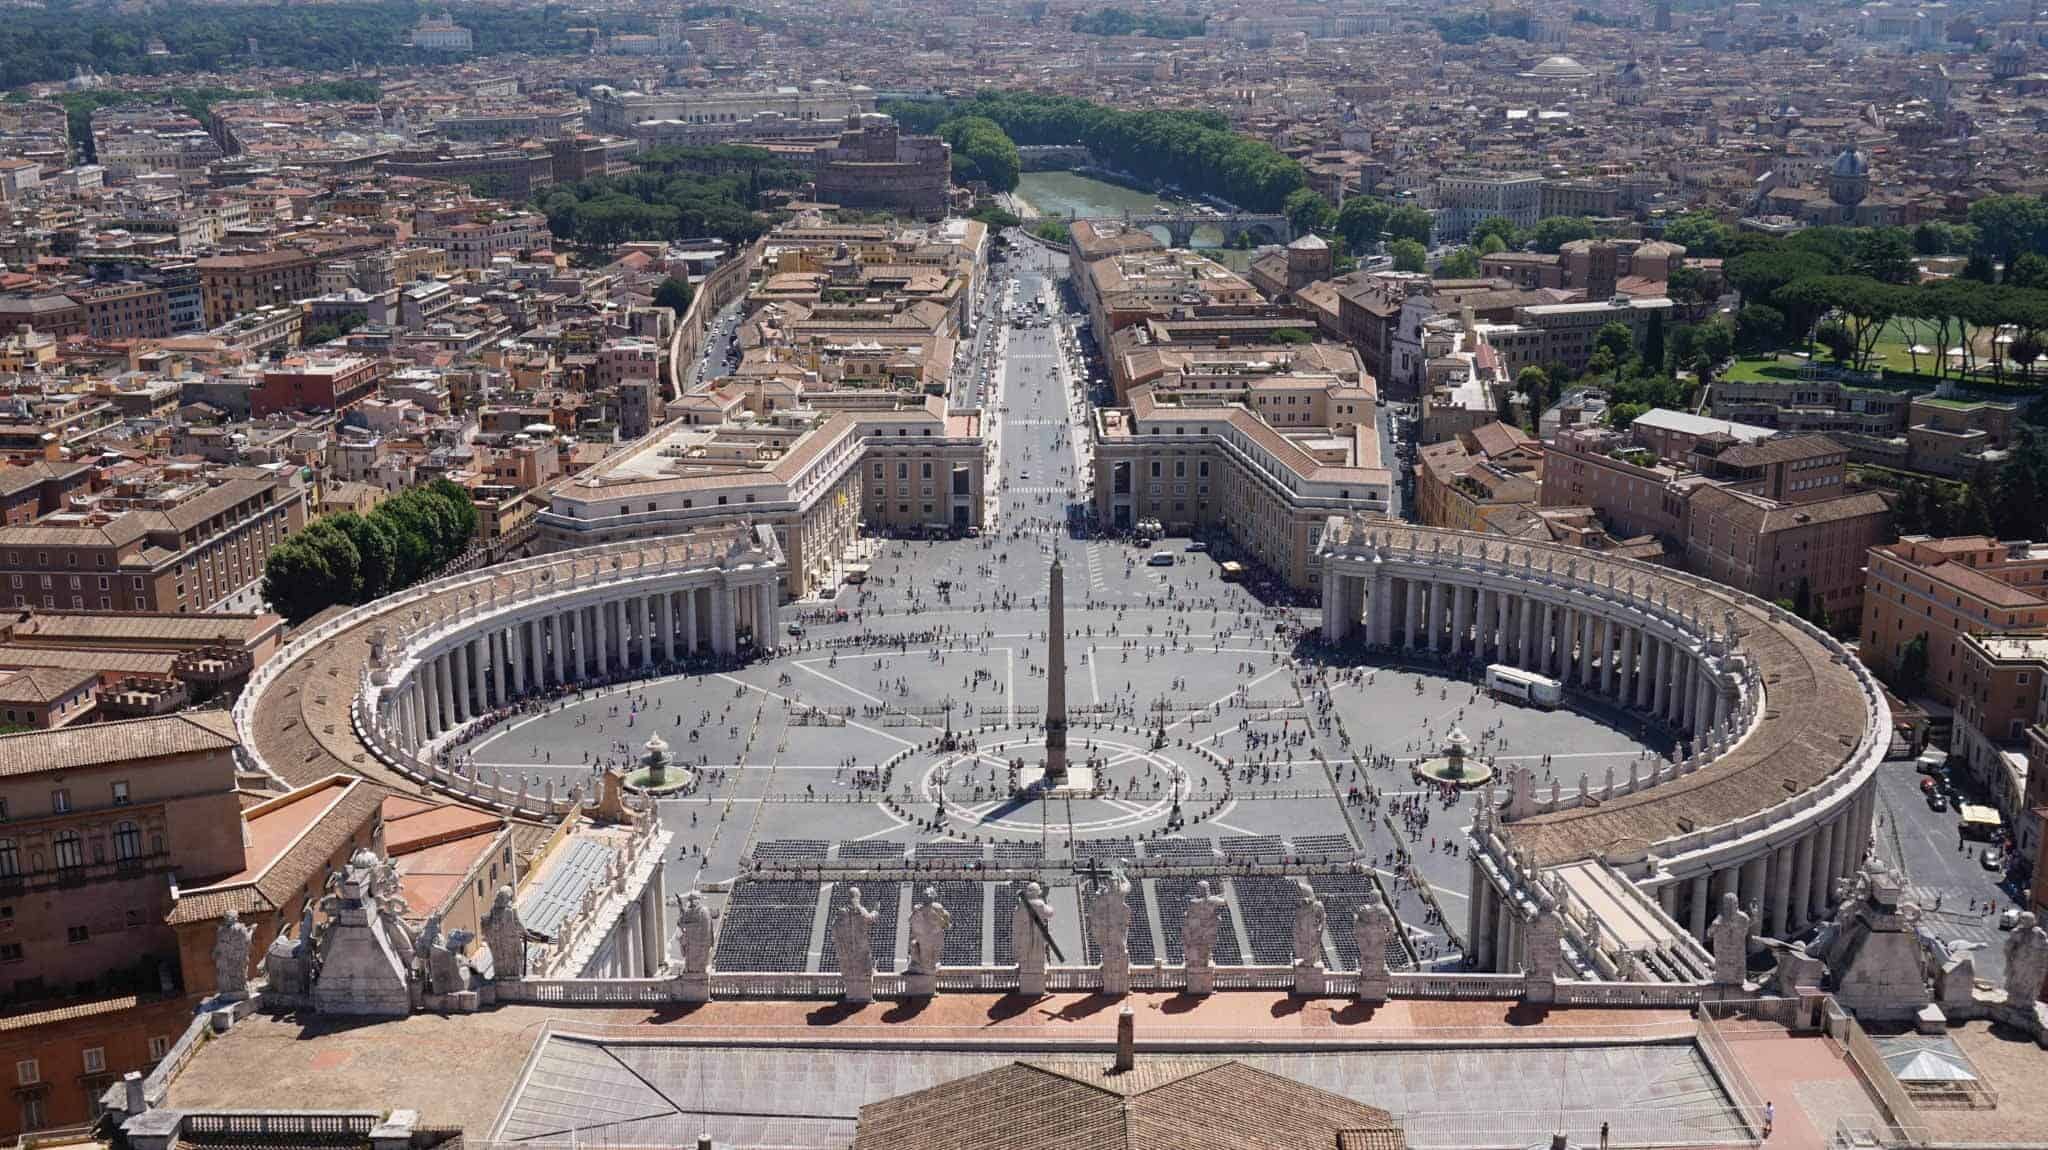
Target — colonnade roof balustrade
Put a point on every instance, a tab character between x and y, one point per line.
294	717
1824	724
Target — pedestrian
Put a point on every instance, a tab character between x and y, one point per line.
1603	1136
1770	1116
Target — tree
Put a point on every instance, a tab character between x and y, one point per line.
1292	335
1834	335
1885	254
2028	270
1702	236
1361	221
1462	264
1910	677
1554	232
1532	383
1409	222
1616	339
376	553
983	151
1716	341
1409	256
1504	406
1497	227
1686	285
1491	245
1759	327
674	294
1308	211
1979	267
1621	415
1653	342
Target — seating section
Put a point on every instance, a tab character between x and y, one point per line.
962	901
1105	850
948	852
1004	909
1268	903
1019	854
1251	846
1342	895
791	850
1312	847
767	926
1181	850
877	852
1174	894
884	898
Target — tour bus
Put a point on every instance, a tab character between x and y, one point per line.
856	573
1524	686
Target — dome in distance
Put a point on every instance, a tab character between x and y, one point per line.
1852	162
1561	68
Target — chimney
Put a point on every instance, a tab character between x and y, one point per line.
1126	1041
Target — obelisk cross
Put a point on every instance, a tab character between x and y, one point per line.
1056	680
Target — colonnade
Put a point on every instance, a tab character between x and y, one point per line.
638	944
1636	662
536	647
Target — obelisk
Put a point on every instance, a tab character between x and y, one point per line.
1056	681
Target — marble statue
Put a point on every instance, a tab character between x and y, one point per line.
1204	918
693	933
505	935
1030	934
231	958
1729	935
1109	916
928	923
2026	961
852	929
1309	920
1372	928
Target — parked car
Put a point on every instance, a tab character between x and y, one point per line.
2008	918
1198	546
1993	859
1937	801
1161	559
1931	762
1929	785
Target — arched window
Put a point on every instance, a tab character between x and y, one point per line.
127	840
10	860
70	850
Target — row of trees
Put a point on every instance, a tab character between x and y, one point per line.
1196	151
656	205
981	151
350	558
1123	22
54	40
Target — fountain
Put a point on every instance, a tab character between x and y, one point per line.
1455	764
657	774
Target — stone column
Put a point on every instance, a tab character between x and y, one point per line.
653	950
1627	686
516	638
1779	906
1798	912
1411	602
1754	882
1475	912
1823	893
765	634
558	644
668	627
602	646
1700	896
1544	639
1667	899
1435	612
1606	656
430	700
1524	644
1461	618
1703	703
494	654
1381	609
1586	649
642	607
460	658
689	621
1500	627
444	682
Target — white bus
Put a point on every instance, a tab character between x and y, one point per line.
1524	686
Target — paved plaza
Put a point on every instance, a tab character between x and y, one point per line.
1263	743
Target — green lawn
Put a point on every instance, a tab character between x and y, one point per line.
1764	369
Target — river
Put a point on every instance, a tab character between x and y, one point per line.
1072	194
